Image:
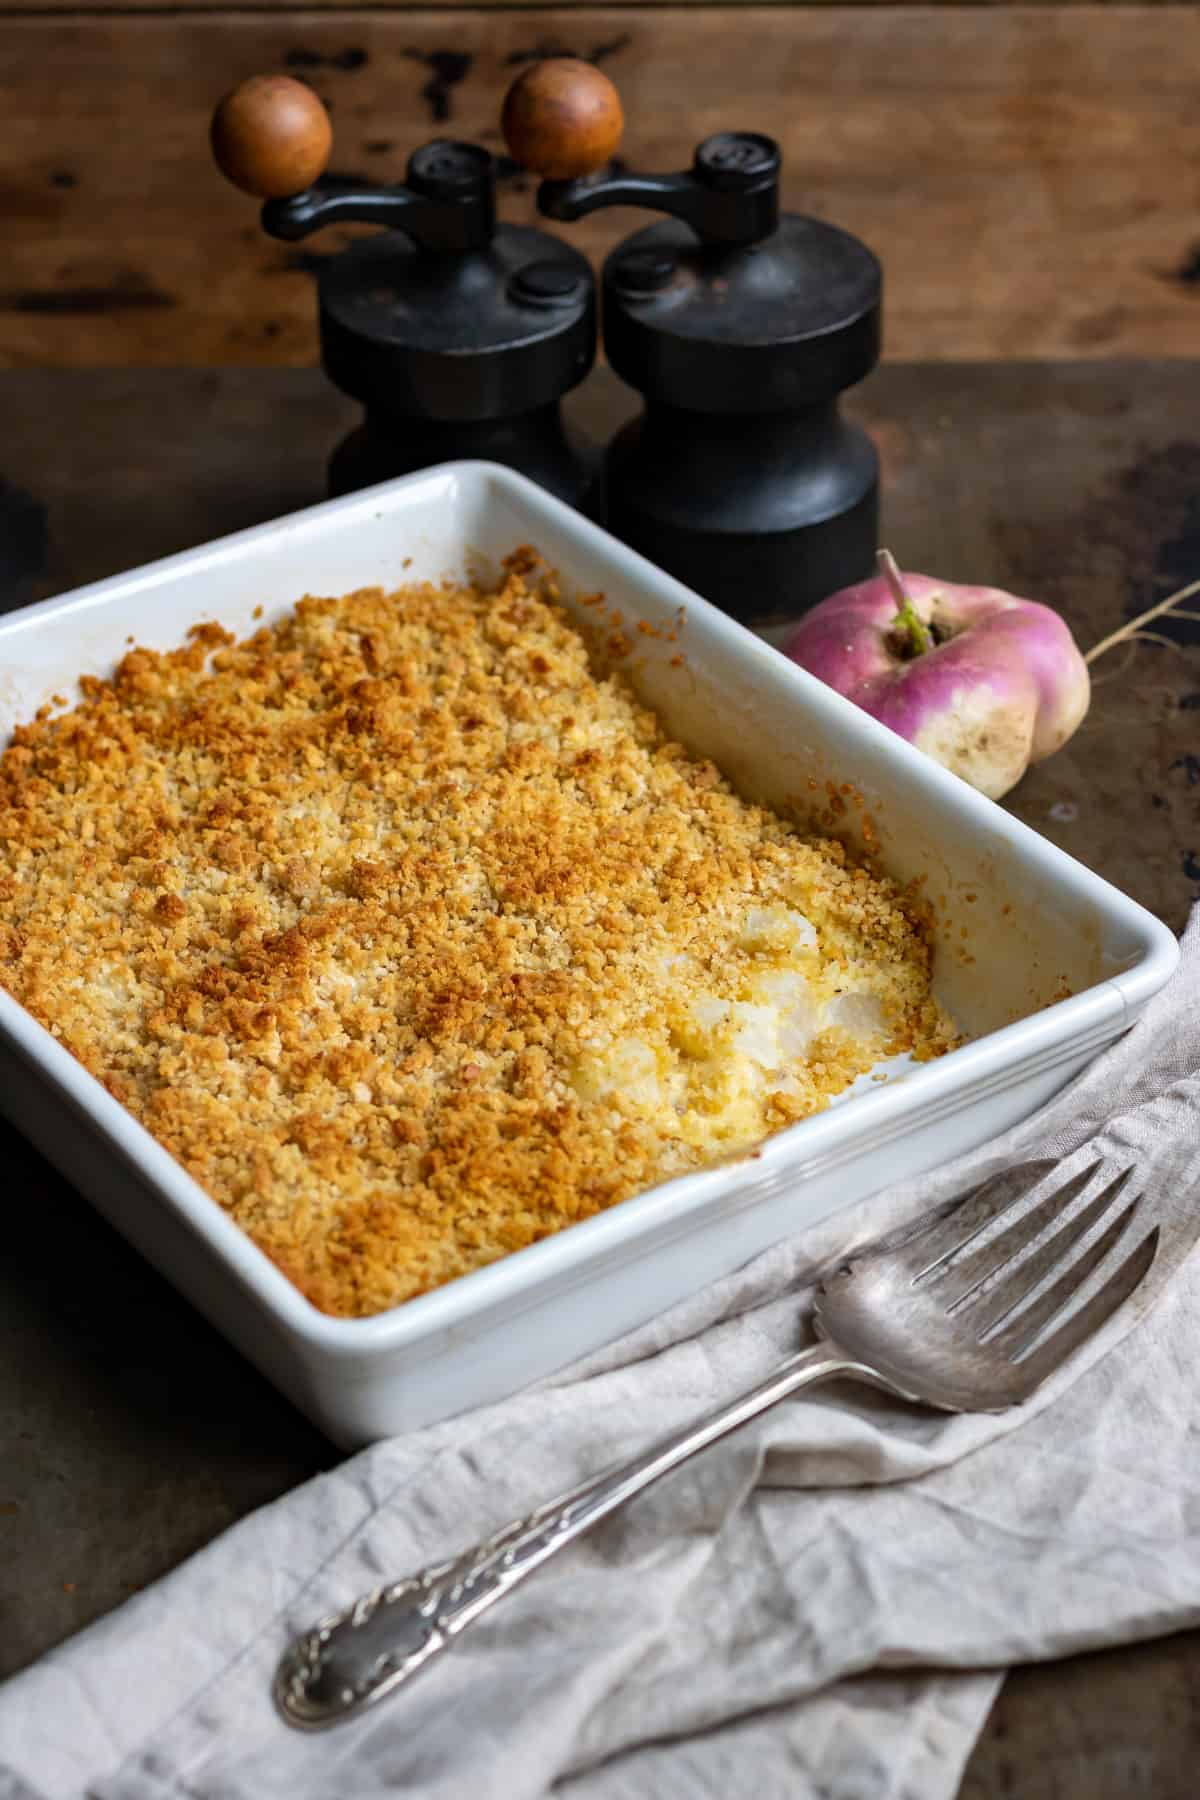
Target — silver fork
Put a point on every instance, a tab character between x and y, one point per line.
924	1315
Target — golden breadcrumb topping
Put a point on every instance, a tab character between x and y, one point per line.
414	939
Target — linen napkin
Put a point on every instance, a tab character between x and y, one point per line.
820	1605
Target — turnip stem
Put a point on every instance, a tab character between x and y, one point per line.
907	621
1127	631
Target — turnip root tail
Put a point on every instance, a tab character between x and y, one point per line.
1134	632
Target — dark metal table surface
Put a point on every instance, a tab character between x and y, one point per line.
130	1433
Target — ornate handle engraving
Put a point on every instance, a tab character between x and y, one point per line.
354	1658
351	1659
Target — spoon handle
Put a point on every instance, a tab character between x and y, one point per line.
354	1658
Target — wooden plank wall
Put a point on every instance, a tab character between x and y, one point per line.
1030	175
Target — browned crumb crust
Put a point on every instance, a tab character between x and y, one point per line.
336	912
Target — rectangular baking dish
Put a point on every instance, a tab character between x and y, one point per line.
1039	961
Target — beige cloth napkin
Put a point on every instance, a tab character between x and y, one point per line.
818	1606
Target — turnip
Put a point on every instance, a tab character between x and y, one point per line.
983	681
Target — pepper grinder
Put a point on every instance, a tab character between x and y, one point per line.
740	327
459	335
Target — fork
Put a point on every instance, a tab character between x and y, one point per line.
929	1315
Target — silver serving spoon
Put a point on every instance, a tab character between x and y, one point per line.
924	1315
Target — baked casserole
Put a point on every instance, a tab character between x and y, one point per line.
409	932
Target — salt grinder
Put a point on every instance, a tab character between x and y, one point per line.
459	335
740	327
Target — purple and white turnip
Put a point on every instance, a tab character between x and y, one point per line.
983	681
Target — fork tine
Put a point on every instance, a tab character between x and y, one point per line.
937	1239
958	1275
1020	1334
1091	1315
1007	1294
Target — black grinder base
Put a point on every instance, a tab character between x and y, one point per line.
760	578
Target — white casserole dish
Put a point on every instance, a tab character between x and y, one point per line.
1018	924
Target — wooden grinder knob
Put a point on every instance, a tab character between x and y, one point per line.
562	118
271	137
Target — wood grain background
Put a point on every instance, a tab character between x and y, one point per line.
1029	175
